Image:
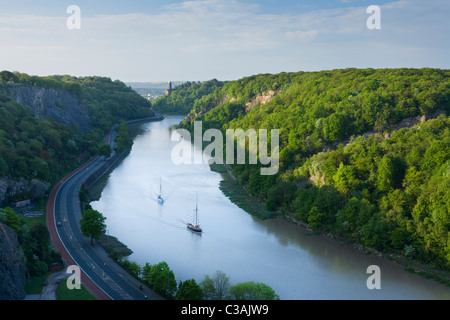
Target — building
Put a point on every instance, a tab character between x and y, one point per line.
169	89
20	204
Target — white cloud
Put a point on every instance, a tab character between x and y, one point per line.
302	34
224	39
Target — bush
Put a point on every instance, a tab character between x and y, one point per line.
38	268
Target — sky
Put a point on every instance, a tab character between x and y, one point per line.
198	40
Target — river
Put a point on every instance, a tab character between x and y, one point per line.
285	256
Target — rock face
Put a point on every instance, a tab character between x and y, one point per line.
12	269
10	187
57	104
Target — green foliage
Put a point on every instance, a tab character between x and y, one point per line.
215	287
8	76
108	101
314	109
34	240
189	290
348	165
92	224
336	127
431	216
40	241
345	179
355	214
36	148
12	220
400	201
184	96
104	150
134	268
123	139
161	279
64	293
389	174
252	291
218	287
38	268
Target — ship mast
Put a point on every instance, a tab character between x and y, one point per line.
196	211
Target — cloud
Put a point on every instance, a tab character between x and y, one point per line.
302	34
225	39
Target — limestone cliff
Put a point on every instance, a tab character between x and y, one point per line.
10	187
52	103
12	268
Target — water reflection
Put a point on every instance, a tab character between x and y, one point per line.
283	255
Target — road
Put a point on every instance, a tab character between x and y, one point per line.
99	274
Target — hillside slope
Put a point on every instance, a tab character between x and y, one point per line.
184	96
387	189
50	125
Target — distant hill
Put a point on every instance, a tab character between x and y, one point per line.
154	89
184	96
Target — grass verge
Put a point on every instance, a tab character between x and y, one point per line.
232	189
64	293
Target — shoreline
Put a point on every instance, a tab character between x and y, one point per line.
111	244
230	190
238	195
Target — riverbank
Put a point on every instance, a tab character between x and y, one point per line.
237	194
291	259
115	248
95	190
99	261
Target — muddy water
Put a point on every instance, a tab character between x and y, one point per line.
285	256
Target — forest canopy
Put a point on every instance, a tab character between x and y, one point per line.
364	153
183	97
108	101
44	149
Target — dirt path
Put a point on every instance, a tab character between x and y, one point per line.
48	293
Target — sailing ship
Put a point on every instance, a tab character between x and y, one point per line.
194	226
160	198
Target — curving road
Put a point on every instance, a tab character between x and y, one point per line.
99	274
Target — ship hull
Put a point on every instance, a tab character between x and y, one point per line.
193	228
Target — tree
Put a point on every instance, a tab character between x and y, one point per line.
345	179
161	279
336	127
38	268
431	216
123	139
252	291
189	290
104	150
355	214
316	218
92	224
8	76
386	174
133	267
12	220
215	288
41	240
